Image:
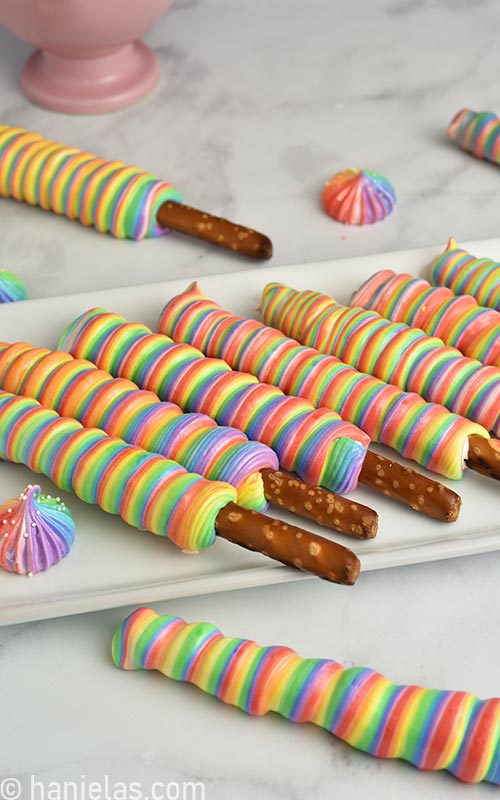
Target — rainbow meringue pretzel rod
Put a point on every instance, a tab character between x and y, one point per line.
463	273
155	493
76	388
432	729
180	374
395	353
109	195
315	444
477	133
424	432
456	320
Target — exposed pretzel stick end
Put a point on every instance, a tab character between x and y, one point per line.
455	504
288	544
410	487
215	230
484	457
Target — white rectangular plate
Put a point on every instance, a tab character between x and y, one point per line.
111	564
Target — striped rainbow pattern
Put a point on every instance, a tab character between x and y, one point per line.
12	288
477	133
108	195
457	320
432	729
463	273
424	432
76	388
146	490
36	532
358	197
392	352
316	444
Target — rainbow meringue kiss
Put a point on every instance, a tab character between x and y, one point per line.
358	197
12	288
36	532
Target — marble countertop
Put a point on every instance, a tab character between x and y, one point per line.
258	105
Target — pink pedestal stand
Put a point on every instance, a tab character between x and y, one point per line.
90	85
89	56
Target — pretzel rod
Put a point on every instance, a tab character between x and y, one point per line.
215	230
76	388
326	508
368	343
438	373
484	457
154	493
110	195
131	351
313	443
410	487
394	353
455	319
293	546
390	416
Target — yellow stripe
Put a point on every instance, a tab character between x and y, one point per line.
202	673
364	717
405	722
167	665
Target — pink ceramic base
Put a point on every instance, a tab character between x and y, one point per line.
90	85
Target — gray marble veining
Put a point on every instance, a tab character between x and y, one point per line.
258	105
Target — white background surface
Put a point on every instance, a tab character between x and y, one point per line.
259	104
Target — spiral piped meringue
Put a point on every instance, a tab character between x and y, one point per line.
358	197
434	729
108	195
36	532
477	133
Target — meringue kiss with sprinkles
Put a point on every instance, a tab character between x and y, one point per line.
358	197
36	532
